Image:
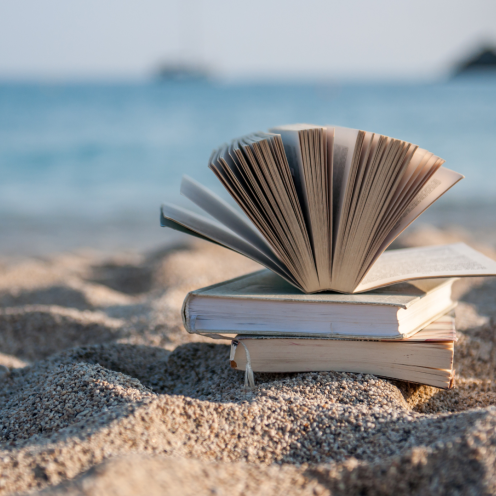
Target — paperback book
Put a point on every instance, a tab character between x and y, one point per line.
262	303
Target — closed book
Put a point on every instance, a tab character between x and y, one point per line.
427	358
262	303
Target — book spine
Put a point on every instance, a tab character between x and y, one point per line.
185	313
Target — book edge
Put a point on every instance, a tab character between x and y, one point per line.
203	291
187	300
450	378
360	337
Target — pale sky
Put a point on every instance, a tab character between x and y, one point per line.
256	39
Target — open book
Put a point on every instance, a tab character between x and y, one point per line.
321	203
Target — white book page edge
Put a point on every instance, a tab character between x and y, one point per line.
223	212
430	262
220	235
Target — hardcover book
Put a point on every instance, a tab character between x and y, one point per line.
262	303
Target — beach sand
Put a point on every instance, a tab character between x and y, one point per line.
103	392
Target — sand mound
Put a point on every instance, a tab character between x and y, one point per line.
40	400
421	471
119	399
32	332
164	476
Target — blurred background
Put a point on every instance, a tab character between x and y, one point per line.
104	105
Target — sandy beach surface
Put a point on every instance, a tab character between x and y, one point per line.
103	392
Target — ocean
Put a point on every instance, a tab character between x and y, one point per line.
88	164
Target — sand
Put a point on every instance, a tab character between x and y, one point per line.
103	392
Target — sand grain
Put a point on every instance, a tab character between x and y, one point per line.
103	392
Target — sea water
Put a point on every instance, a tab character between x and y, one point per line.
88	164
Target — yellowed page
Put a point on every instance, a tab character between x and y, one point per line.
441	181
429	262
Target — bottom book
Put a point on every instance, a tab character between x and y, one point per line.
425	358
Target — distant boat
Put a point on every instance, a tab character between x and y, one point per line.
482	61
181	72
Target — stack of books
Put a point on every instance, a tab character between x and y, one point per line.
319	207
402	331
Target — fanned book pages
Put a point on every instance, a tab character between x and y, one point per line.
321	205
426	358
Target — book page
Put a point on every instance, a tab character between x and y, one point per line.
261	153
291	141
384	172
442	329
217	233
344	147
239	186
429	262
255	171
376	210
308	146
330	155
419	160
313	144
410	195
225	214
440	182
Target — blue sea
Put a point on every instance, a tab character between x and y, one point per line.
88	164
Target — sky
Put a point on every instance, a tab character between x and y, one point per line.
256	39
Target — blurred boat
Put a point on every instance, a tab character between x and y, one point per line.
483	61
182	72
